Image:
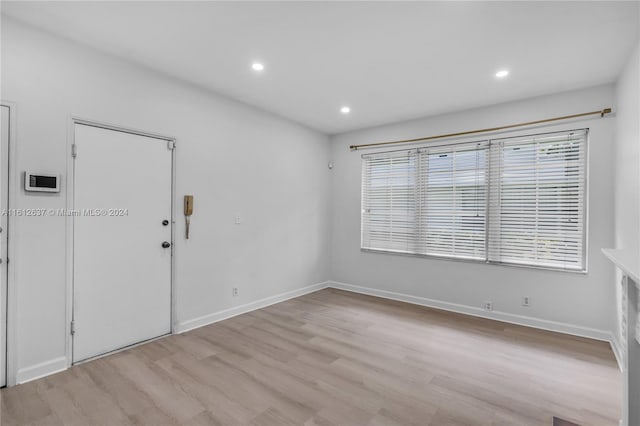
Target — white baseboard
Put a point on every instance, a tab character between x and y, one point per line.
41	370
560	327
56	365
243	309
59	364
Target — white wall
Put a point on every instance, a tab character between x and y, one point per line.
627	216
235	160
566	301
627	157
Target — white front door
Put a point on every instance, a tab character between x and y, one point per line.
4	190
121	240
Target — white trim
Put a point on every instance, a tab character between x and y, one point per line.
618	352
69	202
12	249
248	307
559	327
41	370
4	244
174	212
59	364
626	261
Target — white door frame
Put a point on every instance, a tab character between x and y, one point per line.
70	203
12	187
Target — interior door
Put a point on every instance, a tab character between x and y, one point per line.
4	191
122	240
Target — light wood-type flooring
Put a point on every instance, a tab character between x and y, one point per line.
335	358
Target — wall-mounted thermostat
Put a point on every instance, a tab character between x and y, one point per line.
41	182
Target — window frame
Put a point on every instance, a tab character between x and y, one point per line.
585	208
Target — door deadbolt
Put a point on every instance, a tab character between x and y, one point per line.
166	244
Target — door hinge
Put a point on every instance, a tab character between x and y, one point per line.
171	144
74	150
73	328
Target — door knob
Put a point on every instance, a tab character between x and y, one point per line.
165	222
166	244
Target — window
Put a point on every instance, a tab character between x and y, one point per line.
389	200
453	200
537	210
514	201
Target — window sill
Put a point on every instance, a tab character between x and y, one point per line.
471	260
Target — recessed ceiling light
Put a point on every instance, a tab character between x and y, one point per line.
257	66
502	73
345	110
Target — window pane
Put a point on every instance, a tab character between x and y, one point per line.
453	200
389	201
538	203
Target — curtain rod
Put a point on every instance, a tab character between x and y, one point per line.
490	129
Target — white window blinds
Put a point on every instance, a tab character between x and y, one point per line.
537	210
452	182
428	201
514	200
389	201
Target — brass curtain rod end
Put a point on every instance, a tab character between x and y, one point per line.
353	147
605	111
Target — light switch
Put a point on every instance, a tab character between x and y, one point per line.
238	219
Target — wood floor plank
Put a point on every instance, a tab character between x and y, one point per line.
167	396
334	358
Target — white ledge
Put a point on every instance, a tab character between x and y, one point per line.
626	260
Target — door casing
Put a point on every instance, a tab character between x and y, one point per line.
70	204
10	191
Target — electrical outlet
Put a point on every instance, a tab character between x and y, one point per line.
488	306
238	219
526	301
235	291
